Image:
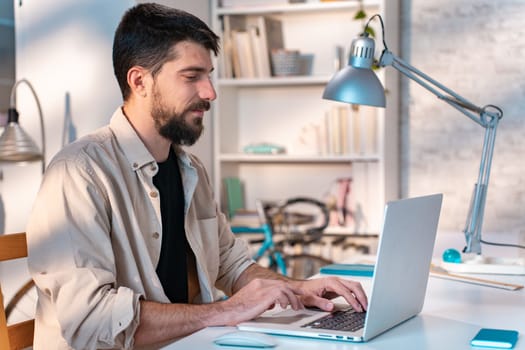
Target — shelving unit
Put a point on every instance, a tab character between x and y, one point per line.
281	110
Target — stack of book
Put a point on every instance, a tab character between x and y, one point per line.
350	130
344	130
247	44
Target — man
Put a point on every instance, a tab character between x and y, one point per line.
126	244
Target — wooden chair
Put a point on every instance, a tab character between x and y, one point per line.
19	335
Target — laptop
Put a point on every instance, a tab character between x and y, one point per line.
398	287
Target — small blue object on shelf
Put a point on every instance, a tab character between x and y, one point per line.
452	256
264	148
348	270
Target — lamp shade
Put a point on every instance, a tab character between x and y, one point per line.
356	86
15	144
357	83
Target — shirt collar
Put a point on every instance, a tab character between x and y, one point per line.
132	146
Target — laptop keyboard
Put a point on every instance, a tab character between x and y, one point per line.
341	320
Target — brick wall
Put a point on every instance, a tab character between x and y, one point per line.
477	49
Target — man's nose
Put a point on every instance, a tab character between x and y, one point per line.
207	91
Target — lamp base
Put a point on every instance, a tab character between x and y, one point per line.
474	263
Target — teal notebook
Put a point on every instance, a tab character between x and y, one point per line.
495	338
234	195
348	270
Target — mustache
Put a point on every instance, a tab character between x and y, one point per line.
204	105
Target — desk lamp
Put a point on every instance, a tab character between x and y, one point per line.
16	146
358	84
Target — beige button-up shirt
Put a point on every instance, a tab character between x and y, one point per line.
95	234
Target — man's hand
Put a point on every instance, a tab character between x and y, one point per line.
318	292
257	289
260	295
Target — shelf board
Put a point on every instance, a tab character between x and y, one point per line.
275	81
286	158
295	8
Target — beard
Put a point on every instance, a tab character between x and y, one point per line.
176	126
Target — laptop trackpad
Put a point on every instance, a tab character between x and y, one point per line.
290	316
287	316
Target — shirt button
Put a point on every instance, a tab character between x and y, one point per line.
154	194
135	165
153	168
156	235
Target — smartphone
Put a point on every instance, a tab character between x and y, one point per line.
495	338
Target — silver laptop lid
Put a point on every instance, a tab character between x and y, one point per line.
401	272
399	283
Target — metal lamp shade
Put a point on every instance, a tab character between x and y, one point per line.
17	146
357	83
359	86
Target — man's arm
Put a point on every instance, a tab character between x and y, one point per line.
162	322
257	271
256	290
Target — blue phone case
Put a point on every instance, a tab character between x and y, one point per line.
495	338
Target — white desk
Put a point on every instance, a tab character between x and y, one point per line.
452	315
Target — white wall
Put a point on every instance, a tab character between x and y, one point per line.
476	48
65	47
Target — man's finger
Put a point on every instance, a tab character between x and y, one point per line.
351	291
318	302
358	292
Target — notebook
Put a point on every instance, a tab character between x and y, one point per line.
399	280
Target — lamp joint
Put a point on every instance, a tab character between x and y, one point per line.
12	115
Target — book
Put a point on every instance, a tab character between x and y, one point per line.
243	50
259	50
343	114
495	338
247	44
244	218
337	131
234	195
357	127
271	36
362	130
255	46
365	270
369	129
229	64
225	57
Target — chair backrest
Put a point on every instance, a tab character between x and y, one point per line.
19	335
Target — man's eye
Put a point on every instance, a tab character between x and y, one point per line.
192	77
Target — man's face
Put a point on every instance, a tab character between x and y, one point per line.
181	93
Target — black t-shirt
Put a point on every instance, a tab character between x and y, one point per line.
172	268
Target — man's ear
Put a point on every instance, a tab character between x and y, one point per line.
137	78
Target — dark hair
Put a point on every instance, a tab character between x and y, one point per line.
146	35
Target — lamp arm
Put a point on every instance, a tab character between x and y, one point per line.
487	119
477	206
39	107
442	92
